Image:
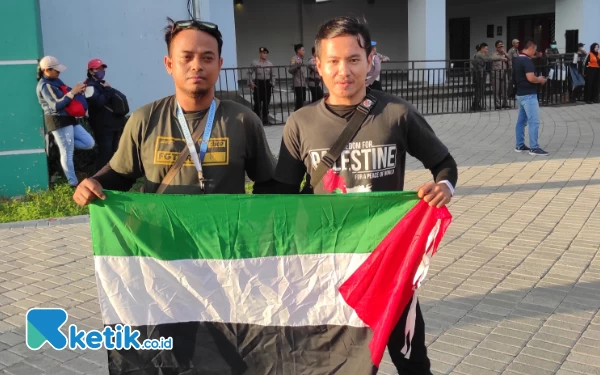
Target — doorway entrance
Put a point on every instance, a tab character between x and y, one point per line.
459	30
539	27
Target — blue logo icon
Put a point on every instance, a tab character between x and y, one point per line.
43	326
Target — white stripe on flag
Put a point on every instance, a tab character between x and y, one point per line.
275	291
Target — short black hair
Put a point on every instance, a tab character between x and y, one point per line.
528	44
478	47
498	42
313	50
345	26
484	44
297	47
172	29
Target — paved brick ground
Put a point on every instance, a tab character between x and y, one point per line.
513	290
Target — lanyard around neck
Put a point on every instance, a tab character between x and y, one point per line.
197	158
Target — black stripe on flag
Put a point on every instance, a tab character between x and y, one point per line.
222	348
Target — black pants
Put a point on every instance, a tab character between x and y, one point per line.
419	363
262	98
107	141
376	85
316	93
592	75
300	94
479	81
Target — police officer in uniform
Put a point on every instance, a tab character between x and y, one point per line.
512	54
297	71
315	83
262	87
481	62
500	76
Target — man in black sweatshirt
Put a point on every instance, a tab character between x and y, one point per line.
374	159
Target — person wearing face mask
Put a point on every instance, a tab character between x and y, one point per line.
106	121
61	106
552	51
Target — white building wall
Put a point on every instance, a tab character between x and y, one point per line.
589	33
221	13
388	22
494	12
569	16
267	23
416	29
277	25
126	34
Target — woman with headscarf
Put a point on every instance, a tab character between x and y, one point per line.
592	75
61	104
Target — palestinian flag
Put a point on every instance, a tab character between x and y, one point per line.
261	284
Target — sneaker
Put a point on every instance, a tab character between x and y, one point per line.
537	152
522	148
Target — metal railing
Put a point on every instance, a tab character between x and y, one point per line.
433	87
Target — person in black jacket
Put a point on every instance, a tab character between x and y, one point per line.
107	125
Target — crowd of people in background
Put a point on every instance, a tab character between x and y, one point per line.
106	108
559	68
261	78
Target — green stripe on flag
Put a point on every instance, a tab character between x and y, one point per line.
174	227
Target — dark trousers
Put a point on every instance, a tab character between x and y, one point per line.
262	98
107	141
300	94
479	88
499	87
419	363
592	75
316	93
376	85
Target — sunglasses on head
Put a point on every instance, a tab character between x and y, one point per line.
188	23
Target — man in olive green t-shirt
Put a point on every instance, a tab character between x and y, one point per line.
153	137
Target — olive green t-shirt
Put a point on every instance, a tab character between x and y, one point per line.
152	141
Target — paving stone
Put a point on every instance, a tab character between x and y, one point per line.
578	368
11	338
9	358
64	371
467	369
542	363
499	347
80	365
21	369
42	361
61	355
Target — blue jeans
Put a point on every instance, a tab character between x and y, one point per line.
529	114
67	139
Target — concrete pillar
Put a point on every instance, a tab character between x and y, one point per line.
222	13
579	15
426	35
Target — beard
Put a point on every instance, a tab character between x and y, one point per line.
197	93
